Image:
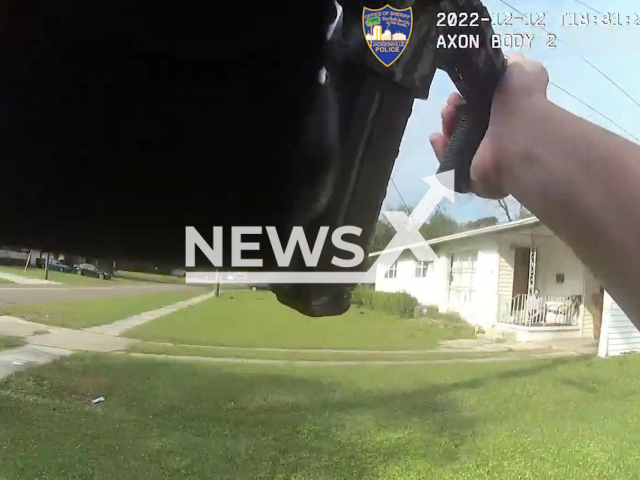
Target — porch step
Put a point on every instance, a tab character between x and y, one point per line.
500	335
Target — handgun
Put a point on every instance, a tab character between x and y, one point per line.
372	106
122	124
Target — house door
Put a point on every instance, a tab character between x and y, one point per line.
521	271
461	287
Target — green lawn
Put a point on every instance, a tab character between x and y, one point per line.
88	313
256	319
62	277
10	342
2	280
120	277
542	420
147	277
319	355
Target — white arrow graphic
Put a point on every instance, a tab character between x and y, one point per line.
407	228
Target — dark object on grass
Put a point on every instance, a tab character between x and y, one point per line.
88	270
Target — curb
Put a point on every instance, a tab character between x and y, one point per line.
258	361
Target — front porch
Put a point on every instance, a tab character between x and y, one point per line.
536	310
542	289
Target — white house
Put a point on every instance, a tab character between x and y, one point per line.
19	256
518	277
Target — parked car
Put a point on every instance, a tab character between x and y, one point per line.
89	270
178	272
59	266
236	277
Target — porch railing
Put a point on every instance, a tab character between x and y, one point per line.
543	310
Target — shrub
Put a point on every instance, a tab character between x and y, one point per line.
400	304
432	310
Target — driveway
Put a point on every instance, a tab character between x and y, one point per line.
11	294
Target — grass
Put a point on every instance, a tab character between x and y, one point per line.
147	277
2	280
7	342
89	313
569	419
61	277
301	355
256	319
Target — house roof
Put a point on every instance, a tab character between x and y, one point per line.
467	234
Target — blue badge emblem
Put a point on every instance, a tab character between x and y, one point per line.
387	31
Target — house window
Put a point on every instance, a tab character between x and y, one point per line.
421	269
391	271
463	269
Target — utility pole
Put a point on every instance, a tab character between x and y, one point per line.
28	260
46	267
217	289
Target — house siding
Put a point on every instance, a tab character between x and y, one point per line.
555	258
591	310
505	271
482	309
434	288
618	335
425	289
587	323
486	285
15	256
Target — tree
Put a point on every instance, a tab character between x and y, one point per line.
383	235
524	213
508	206
440	224
513	209
372	21
502	204
479	223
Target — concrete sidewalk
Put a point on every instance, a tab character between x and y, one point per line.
121	326
60	337
26	280
15	294
580	346
325	363
46	343
17	359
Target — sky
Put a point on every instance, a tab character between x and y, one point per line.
614	50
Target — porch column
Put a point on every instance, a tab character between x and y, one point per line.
532	270
603	342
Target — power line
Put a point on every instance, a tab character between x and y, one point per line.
614	83
593	109
400	195
585	60
589	7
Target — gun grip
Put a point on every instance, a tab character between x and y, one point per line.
468	133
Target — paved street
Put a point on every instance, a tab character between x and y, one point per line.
11	294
